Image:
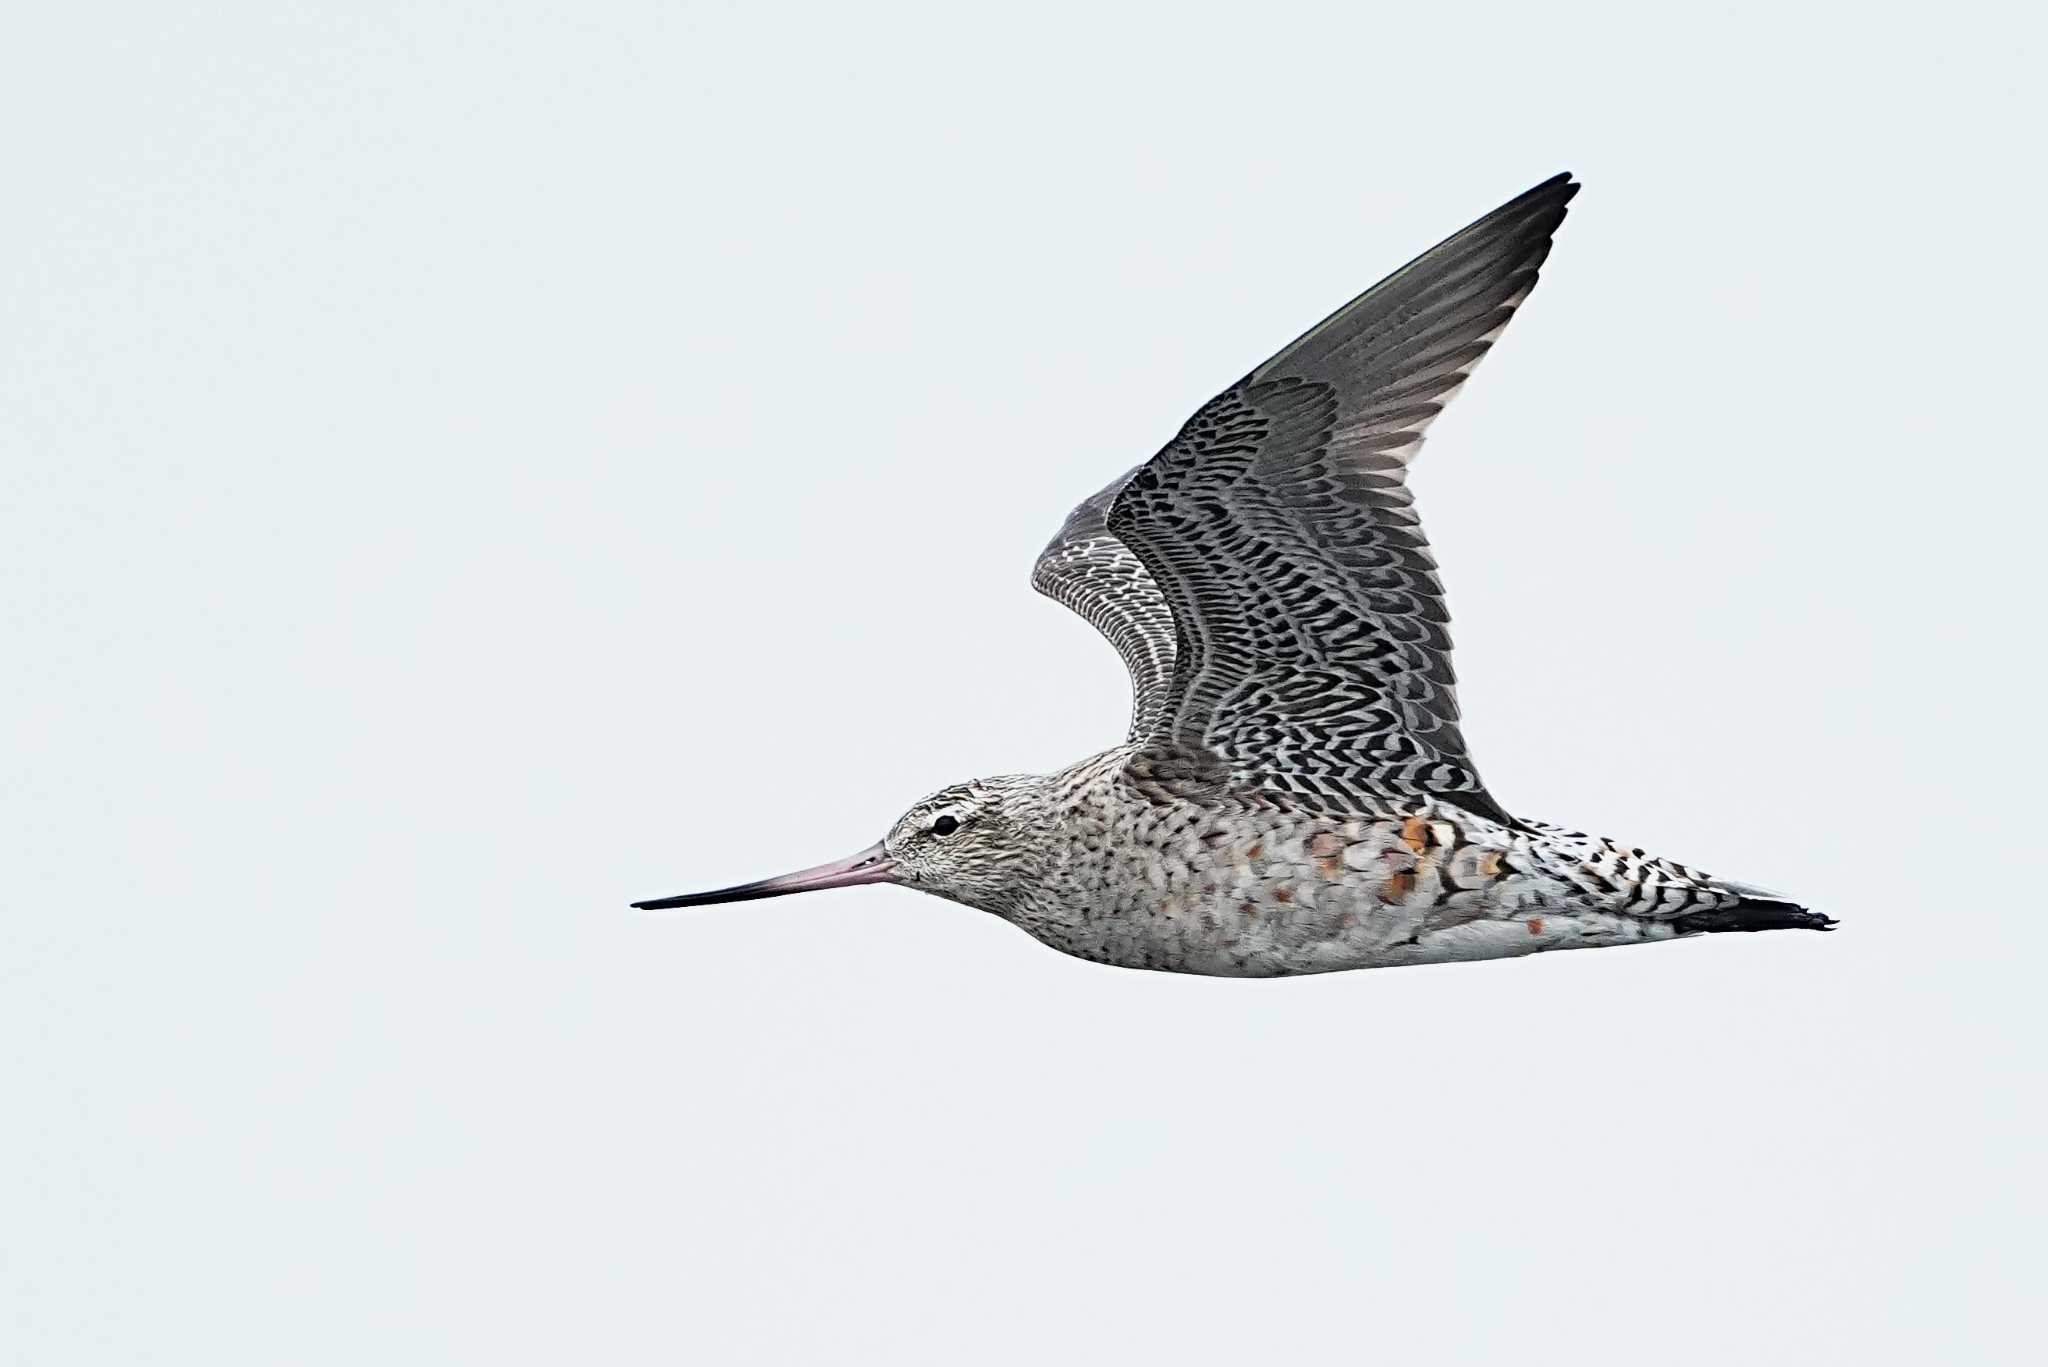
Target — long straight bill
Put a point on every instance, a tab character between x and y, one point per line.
871	865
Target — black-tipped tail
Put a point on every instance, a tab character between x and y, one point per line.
1753	913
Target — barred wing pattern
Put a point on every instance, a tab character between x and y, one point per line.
1086	568
1312	656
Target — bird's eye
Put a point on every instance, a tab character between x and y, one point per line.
945	825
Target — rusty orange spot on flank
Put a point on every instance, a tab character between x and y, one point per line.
1257	851
1283	894
1489	864
1332	866
1415	833
1398	886
1535	925
1324	844
1250	910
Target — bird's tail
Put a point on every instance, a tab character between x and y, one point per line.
1756	911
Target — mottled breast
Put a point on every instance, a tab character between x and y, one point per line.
1244	889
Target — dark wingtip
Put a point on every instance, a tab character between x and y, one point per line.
1560	187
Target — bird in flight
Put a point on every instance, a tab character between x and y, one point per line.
1293	795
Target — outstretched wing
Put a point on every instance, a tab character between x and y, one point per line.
1089	570
1312	656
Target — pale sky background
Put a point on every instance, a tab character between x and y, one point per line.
466	467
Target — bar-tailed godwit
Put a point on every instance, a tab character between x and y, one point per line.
1293	795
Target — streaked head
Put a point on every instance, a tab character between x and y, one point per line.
975	842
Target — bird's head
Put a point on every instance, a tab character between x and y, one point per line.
976	843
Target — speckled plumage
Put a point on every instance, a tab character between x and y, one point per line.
1132	873
1294	795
